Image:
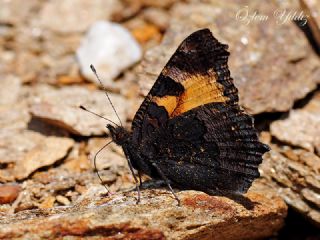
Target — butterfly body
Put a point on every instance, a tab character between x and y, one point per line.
190	130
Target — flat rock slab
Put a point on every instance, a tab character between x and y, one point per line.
45	152
271	62
302	127
26	151
200	216
60	107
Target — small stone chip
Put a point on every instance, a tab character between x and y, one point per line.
63	200
9	193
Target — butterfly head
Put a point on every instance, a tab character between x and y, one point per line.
119	134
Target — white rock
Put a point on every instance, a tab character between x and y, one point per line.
110	48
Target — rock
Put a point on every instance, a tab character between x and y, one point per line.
43	189
9	193
200	216
7	57
46	152
109	162
72	11
60	107
158	17
39	126
27	66
312	9
77	160
63	200
24	151
262	64
13	117
108	157
68	80
129	9
302	127
146	33
159	4
48	203
9	90
12	12
110	48
294	174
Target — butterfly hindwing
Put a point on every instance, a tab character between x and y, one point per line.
191	123
221	149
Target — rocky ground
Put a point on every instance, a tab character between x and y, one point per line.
48	188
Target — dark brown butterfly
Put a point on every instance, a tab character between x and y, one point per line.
190	130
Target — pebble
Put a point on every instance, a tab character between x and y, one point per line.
9	193
48	202
147	33
63	200
158	17
110	48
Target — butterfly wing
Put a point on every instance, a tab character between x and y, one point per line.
191	122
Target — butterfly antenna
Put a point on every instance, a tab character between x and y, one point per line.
105	91
95	165
98	115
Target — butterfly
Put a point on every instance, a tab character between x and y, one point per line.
190	130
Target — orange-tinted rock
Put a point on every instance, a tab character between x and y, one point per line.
146	33
200	216
9	193
65	80
48	202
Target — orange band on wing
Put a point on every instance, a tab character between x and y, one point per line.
168	102
199	90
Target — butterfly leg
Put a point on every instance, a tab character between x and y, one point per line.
167	182
135	179
140	181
